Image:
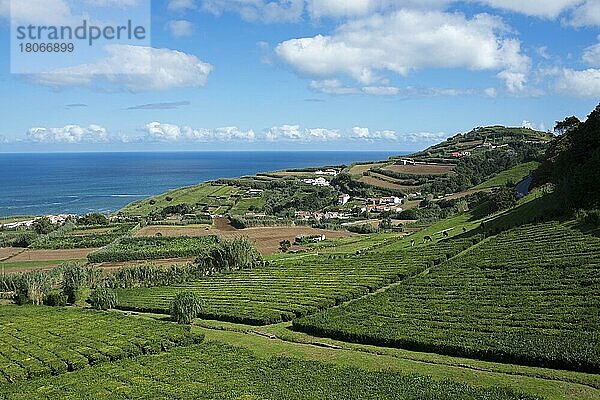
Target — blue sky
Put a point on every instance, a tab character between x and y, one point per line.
393	75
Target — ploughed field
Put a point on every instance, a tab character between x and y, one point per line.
527	296
294	287
37	341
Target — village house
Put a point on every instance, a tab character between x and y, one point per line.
343	199
391	200
317	182
255	192
330	172
407	162
459	154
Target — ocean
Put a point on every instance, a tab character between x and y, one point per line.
80	183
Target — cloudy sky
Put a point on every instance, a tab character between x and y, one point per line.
310	75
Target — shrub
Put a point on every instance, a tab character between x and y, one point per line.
103	298
77	281
185	307
226	255
56	298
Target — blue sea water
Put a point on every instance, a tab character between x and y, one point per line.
79	183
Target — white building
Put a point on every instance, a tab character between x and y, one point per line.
330	172
343	199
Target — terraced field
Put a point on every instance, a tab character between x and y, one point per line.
294	287
205	195
38	341
218	371
527	296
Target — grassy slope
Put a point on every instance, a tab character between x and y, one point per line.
513	175
204	194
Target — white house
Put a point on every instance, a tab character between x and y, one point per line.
317	182
343	199
330	172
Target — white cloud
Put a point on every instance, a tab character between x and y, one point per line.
288	132
181	5
490	92
591	55
574	83
588	14
406	41
233	133
530	125
150	69
322	134
71	134
381	90
296	134
161	132
545	8
332	86
37	12
180	28
258	10
367	134
424	137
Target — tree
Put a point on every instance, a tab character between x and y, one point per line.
93	219
234	254
185	307
386	223
502	199
77	281
284	246
103	298
43	226
564	126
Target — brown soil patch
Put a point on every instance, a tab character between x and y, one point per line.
421	169
6	252
359	169
52	255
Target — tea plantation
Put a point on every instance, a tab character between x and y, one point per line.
217	371
527	296
294	287
37	341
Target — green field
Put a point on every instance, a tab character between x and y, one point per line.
40	341
512	176
32	264
84	238
152	248
294	286
528	296
204	195
218	371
